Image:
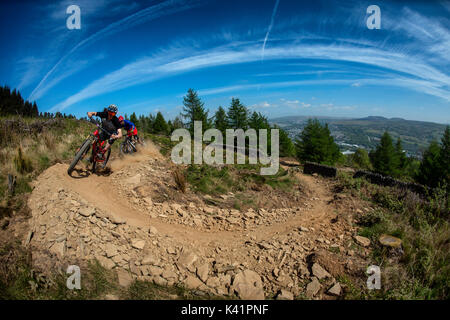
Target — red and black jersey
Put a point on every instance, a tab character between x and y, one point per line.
109	125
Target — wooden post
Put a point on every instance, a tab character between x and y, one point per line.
11	184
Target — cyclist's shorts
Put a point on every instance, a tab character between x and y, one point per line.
132	132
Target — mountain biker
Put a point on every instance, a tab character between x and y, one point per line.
111	124
130	127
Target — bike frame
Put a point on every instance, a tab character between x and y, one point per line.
97	145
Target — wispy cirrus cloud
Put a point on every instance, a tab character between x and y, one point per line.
375	64
29	69
137	18
277	2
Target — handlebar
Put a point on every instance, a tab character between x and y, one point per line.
99	126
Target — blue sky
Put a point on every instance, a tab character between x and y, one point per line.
279	57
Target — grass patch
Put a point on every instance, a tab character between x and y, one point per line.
422	269
164	143
235	178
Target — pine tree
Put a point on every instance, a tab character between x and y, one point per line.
287	148
220	120
430	169
237	116
12	103
194	110
133	118
160	125
151	123
35	111
316	144
384	159
258	121
401	157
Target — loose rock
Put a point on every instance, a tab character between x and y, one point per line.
248	285
363	241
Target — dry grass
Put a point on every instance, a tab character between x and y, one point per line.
422	270
26	154
180	179
22	162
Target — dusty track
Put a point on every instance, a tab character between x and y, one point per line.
101	194
261	248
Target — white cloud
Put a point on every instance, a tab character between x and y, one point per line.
142	16
277	2
264	104
29	70
411	71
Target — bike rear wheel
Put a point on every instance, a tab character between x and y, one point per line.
132	147
127	147
80	154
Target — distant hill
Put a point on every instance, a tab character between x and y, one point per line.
366	132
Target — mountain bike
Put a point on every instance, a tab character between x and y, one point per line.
93	140
129	145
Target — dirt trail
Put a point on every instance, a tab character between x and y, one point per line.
94	216
99	192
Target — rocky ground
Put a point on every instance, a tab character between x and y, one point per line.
133	220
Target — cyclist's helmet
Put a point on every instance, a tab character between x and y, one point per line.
112	108
120	118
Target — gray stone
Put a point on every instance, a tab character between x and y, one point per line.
171	250
248	285
160	281
59	248
115	219
362	241
153	230
335	290
192	282
155	271
313	288
169	275
203	271
105	262
285	295
86	211
319	272
187	258
125	278
150	259
138	244
110	250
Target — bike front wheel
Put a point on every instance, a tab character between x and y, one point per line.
79	155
